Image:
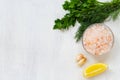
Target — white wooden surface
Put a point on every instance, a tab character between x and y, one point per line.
31	50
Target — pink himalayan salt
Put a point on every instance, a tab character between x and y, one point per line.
98	39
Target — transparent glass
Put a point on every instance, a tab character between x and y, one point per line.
105	27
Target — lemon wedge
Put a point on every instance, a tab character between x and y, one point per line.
94	70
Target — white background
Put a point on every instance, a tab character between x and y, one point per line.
31	50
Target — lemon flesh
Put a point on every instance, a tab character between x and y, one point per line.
94	70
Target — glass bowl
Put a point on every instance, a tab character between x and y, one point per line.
98	39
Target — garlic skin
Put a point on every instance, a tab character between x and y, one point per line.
81	59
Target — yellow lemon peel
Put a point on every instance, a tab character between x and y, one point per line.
94	69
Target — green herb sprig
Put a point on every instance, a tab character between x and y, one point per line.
86	12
